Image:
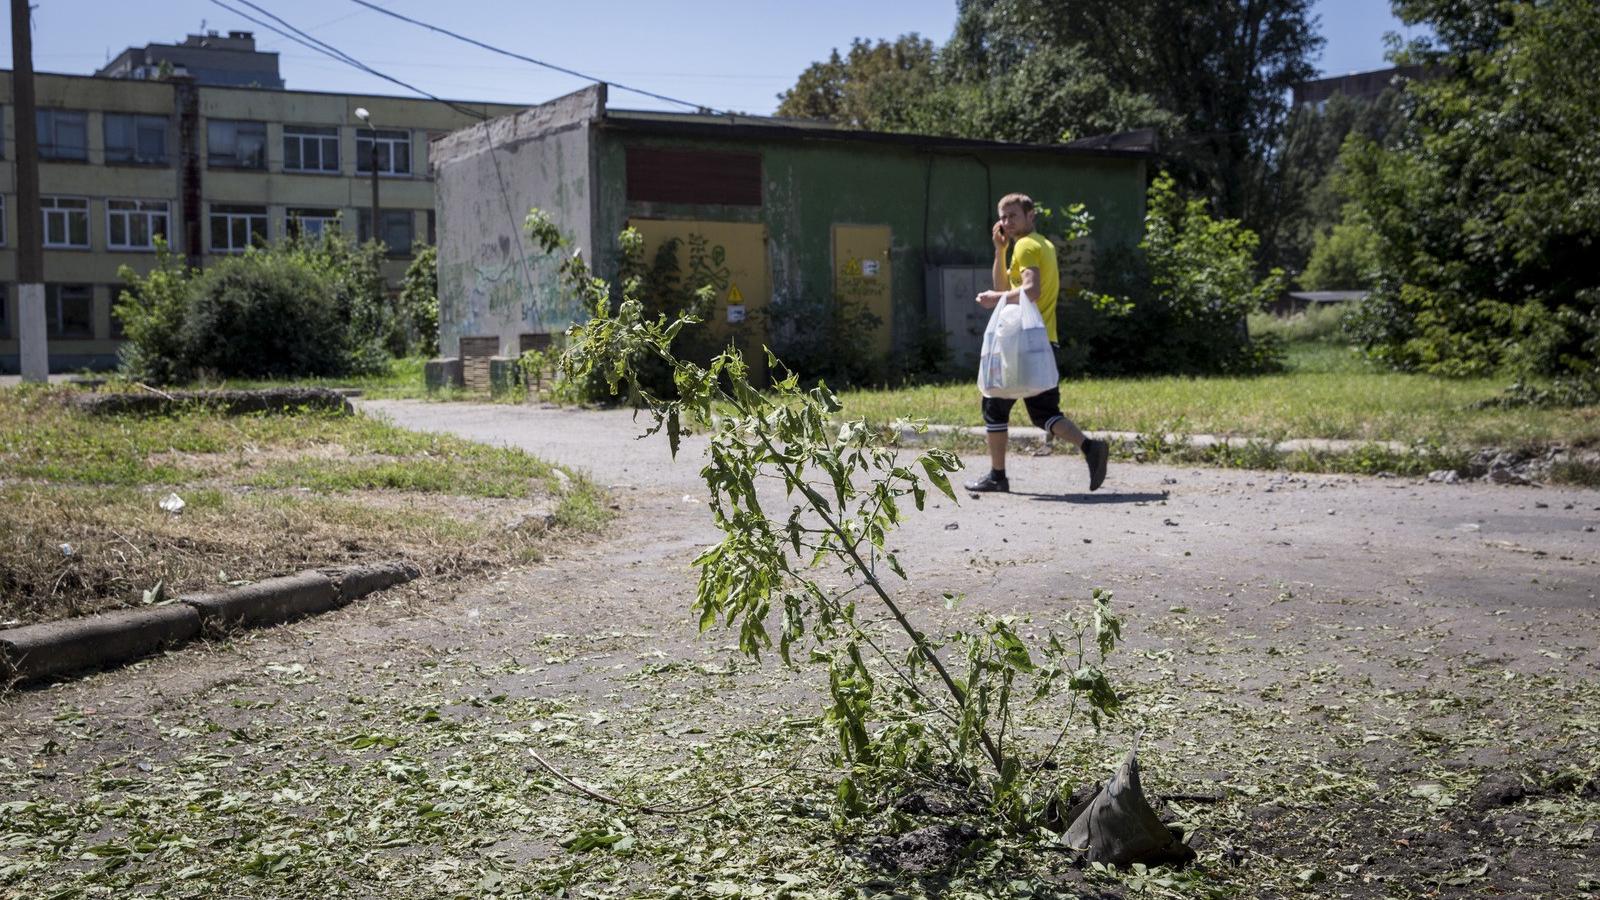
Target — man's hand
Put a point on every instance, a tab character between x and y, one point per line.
998	234
989	299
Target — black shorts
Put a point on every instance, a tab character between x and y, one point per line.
1043	408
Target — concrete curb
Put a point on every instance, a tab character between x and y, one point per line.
52	649
1028	436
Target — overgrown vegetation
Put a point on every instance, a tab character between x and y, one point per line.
908	720
82	529
1484	212
304	307
1178	304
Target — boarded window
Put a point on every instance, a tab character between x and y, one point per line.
658	175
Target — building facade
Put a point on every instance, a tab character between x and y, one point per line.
213	170
770	212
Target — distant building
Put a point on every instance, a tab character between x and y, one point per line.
1356	85
209	59
130	156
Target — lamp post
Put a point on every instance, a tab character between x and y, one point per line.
372	161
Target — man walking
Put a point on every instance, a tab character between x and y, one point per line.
1032	273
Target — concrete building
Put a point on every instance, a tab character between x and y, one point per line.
214	170
209	59
1355	85
769	211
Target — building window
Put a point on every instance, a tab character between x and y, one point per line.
396	228
311	223
235	229
394	151
433	229
69	311
63	134
702	177
135	224
66	222
236	145
2	218
310	149
5	312
136	139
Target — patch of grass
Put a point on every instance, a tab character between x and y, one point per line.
1576	472
1331	394
81	530
403	381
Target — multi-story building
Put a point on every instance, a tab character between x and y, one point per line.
213	169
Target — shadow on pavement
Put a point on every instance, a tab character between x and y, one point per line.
1095	498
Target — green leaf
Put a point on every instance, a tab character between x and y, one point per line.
937	476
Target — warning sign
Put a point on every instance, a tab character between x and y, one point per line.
734	296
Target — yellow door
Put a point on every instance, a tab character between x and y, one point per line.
732	258
861	274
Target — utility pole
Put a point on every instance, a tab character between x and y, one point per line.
31	332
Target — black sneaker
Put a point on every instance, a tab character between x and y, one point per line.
989	484
1096	454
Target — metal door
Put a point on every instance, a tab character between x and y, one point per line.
861	274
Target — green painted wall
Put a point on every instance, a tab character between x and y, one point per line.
810	186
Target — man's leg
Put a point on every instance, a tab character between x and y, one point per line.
996	423
1045	411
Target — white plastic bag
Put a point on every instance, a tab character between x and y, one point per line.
1017	359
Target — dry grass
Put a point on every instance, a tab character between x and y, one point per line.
81	530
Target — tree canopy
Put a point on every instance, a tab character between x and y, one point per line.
1486	210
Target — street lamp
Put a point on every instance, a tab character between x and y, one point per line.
372	161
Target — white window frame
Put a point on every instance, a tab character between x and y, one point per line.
137	122
234	161
147	211
59	216
320	224
234	214
324	139
387	138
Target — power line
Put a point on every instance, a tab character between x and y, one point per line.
528	59
327	49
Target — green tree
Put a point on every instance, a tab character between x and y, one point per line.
1305	175
1487	210
876	86
1223	70
1055	95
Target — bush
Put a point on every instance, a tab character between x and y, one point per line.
302	308
1178	303
1344	258
419	301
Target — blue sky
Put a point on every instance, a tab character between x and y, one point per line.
723	54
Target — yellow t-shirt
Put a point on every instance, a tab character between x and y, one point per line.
1034	251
